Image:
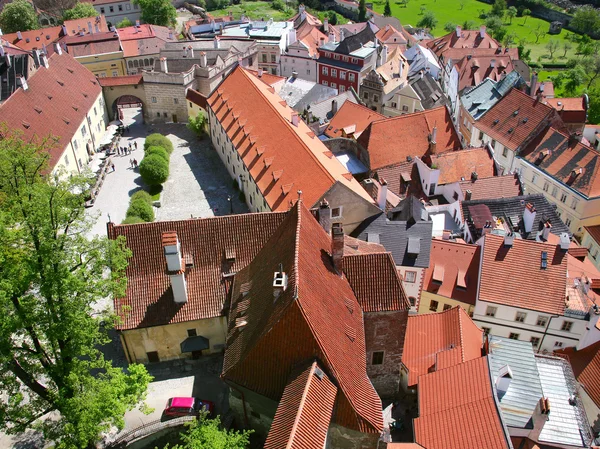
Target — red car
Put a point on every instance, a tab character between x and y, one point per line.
188	406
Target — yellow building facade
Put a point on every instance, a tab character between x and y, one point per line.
103	65
431	302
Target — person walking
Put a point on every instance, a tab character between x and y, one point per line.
135	163
135	145
130	147
113	166
131	162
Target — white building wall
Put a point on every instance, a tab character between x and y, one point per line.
117	11
303	65
412	289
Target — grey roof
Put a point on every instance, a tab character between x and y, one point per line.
511	211
322	109
481	98
525	389
408	241
339	63
299	93
410	209
429	91
19	65
356	41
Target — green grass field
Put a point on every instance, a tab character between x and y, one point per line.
254	10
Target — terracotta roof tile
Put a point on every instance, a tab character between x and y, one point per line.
76	25
304	412
389	32
492	187
468	39
127	80
354	246
391	141
594	232
523	283
457	409
571	110
308	319
149	296
197	98
267	78
92	44
429	334
375	282
586	367
473	70
455	166
351	120
34	39
53	91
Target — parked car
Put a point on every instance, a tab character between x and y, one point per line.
188	406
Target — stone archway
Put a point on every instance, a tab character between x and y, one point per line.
127	102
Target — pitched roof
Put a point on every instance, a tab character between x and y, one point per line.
351	120
478	100
457	409
55	103
127	80
450	337
586	367
514	119
304	412
322	109
375	282
267	78
209	242
92	44
389	32
196	97
566	160
524	283
429	91
453	270
594	232
75	26
281	158
34	39
468	39
391	141
317	315
473	70
393	73
456	166
571	110
145	31
492	187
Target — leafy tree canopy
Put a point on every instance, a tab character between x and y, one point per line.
157	12
80	11
428	21
208	433
586	19
18	16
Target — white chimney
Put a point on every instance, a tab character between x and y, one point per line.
509	238
19	35
260	72
217	42
458	31
97	28
22	82
203	59
170	35
326	26
492	63
280	281
384	55
1	50
292	36
503	380
528	217
179	287
331	36
137	23
44	59
482	31
382	194
65	31
295	118
546	231
163	65
565	241
90	29
57	48
175	269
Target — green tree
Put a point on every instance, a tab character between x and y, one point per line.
524	53
594	108
198	124
80	11
469	25
157	12
552	46
461	3
422	8
509	39
362	11
124	23
51	279
140	208
387	10
154	170
570	79
333	18
495	27
18	16
498	8
449	27
159	151
586	20
525	13
538	32
511	13
566	47
208	433
427	21
158	140
591	67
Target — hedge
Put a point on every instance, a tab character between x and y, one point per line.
132	220
142	195
160	151
142	209
158	140
154	169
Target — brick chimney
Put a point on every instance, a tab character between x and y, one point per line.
528	217
57	48
163	65
325	216
337	246
175	267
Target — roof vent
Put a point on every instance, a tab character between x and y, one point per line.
525	120
474	176
516	113
509	238
318	371
495	122
510	130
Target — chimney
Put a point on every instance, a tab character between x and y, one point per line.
295	119
503	380
539	418
528	217
533	84
326	26
97	28
203	59
337	246
65	32
216	42
509	238
57	48
43	59
280	281
191	51
473	176
458	31
185	52
382	194
81	32
260	72
468	194
384	56
433	141
19	35
292	36
493	63
482	31
565	241
546	230
331	36
163	65
22	82
334	107
171	37
137	23
175	267
325	216
90	29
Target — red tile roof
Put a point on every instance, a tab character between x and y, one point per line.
389	32
515	119
34	39
197	98
473	70
457	409
429	335
351	120
55	103
468	39
391	141
457	265
267	78
586	367
281	158
354	246
375	282
571	110
566	160
523	283
317	316
455	166
456	54
208	241
304	412
101	2
493	187
127	80
594	232
145	39
92	44
76	25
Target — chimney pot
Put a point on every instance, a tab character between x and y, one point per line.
382	194
57	48
337	246
325	216
468	195
19	35
163	65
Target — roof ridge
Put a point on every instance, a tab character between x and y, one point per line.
216	217
460	333
299	205
450	242
301	405
424	112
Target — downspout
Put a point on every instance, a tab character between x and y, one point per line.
243	399
546	331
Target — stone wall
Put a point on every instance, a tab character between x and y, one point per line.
166	102
260	411
111	94
339	437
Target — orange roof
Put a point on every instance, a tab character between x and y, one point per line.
34	39
467	39
127	80
473	70
457	409
391	141
567	104
389	32
523	283
456	269
456	166
493	187
586	367
594	232
304	412
281	158
76	25
317	315
267	78
515	119
351	120
429	336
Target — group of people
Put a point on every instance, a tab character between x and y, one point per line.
122	151
133	163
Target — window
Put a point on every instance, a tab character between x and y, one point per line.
486	330
273	71
433	306
493	144
394	105
491	311
412	300
153	99
410	276
158	115
120	7
115	73
563	197
342	75
308	71
377	358
191	332
75	145
325	83
325	71
111	9
83	131
336	212
404	108
175	100
95	111
375	98
542	321
101	10
546	186
366	95
480	135
164	114
264	58
566	326
66	160
558	344
127	6
574	204
533	177
153	357
520	318
447	306
351	77
504	150
334	85
554	191
273	59
535	341
190	103
342	88
568	222
513	336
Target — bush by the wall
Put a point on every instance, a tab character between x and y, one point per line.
142	209
160	151
154	169
142	195
158	140
132	220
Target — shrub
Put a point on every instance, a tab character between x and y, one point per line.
142	209
141	195
158	140
132	220
154	169
159	151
